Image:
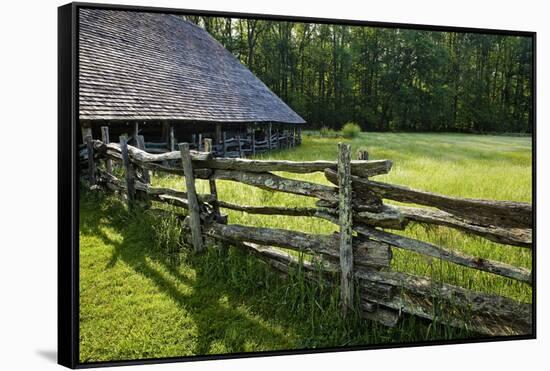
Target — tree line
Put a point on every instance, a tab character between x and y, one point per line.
387	78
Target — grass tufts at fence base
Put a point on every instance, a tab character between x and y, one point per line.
375	287
141	300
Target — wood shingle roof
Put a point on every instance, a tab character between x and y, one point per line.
151	66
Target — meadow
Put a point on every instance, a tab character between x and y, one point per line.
144	295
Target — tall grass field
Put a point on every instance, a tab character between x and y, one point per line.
144	294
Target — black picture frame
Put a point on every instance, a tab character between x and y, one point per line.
68	192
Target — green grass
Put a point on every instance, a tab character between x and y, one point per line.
140	300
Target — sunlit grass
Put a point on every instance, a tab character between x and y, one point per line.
137	303
490	167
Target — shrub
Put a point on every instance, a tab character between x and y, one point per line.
327	132
351	130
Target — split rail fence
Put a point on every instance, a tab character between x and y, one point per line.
358	257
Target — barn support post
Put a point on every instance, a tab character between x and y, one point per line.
253	142
299	135
218	133
289	131
91	163
294	136
278	138
172	139
105	139
193	203
86	132
165	133
199	143
345	222
240	146
224	147
136	131
287	138
130	185
269	135
141	145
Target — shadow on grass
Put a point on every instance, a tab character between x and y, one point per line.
234	300
213	304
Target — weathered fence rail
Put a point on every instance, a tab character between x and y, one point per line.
360	262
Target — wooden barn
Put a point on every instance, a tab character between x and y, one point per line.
162	77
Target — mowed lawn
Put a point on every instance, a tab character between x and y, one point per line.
138	301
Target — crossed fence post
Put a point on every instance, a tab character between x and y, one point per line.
345	222
129	170
193	203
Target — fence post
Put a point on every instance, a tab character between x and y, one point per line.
362	154
105	139
172	139
91	163
193	203
207	145
141	145
345	221
130	187
212	182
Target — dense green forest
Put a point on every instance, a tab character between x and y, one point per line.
387	79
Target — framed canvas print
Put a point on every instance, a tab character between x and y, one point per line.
235	185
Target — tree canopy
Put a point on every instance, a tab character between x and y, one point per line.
387	78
